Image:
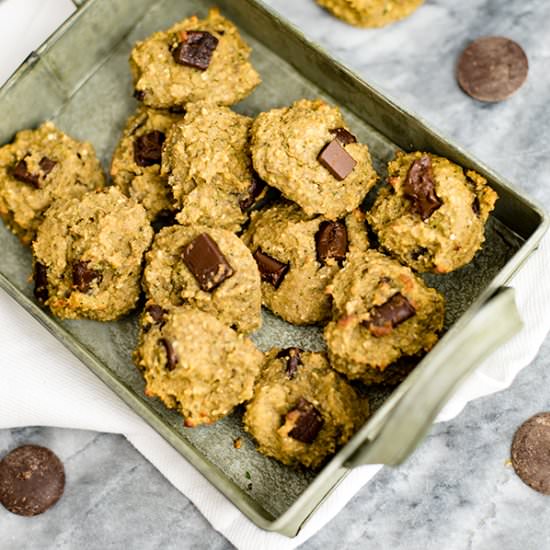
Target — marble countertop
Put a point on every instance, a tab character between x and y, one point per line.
457	491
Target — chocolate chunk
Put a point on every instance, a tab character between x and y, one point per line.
476	207
156	312
177	110
417	253
171	357
307	421
331	241
384	318
41	282
343	136
139	95
492	68
195	49
531	452
254	191
293	360
419	188
32	479
337	160
271	270
46	165
21	173
83	276
206	262
148	148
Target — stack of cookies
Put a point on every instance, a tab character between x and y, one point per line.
212	214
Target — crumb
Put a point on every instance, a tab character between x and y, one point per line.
237	443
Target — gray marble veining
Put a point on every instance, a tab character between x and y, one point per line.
457	491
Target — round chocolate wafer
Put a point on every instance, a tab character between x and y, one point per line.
531	452
32	479
492	68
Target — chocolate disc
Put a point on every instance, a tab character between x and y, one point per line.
32	479
531	452
492	68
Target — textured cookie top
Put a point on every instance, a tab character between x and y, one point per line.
135	167
196	364
433	213
217	69
307	153
88	254
38	167
208	268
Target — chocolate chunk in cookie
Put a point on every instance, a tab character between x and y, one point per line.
195	49
419	188
156	312
384	318
531	453
271	270
293	360
331	241
32	479
307	421
148	148
21	173
337	160
254	191
171	357
46	165
83	276
41	282
206	262
343	136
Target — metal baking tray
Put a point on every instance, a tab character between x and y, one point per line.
80	79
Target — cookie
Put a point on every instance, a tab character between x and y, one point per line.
370	13
432	214
302	411
207	162
194	60
298	256
531	452
88	255
207	268
135	167
306	152
38	167
32	480
383	314
194	363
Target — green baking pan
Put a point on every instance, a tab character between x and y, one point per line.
80	79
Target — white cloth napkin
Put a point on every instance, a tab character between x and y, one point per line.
43	384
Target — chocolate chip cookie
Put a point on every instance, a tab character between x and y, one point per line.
197	365
370	13
193	60
38	167
207	268
88	255
135	167
298	255
383	313
302	411
207	162
432	214
307	152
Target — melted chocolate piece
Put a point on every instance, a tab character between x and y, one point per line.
254	191
195	49
419	188
343	136
205	261
83	276
41	282
331	241
307	421
46	165
337	160
476	207
148	148
171	357
156	312
384	318
32	479
271	270
293	360
139	95
21	173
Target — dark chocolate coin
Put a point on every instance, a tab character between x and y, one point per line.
531	452
492	68
32	479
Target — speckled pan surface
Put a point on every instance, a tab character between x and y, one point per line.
75	79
